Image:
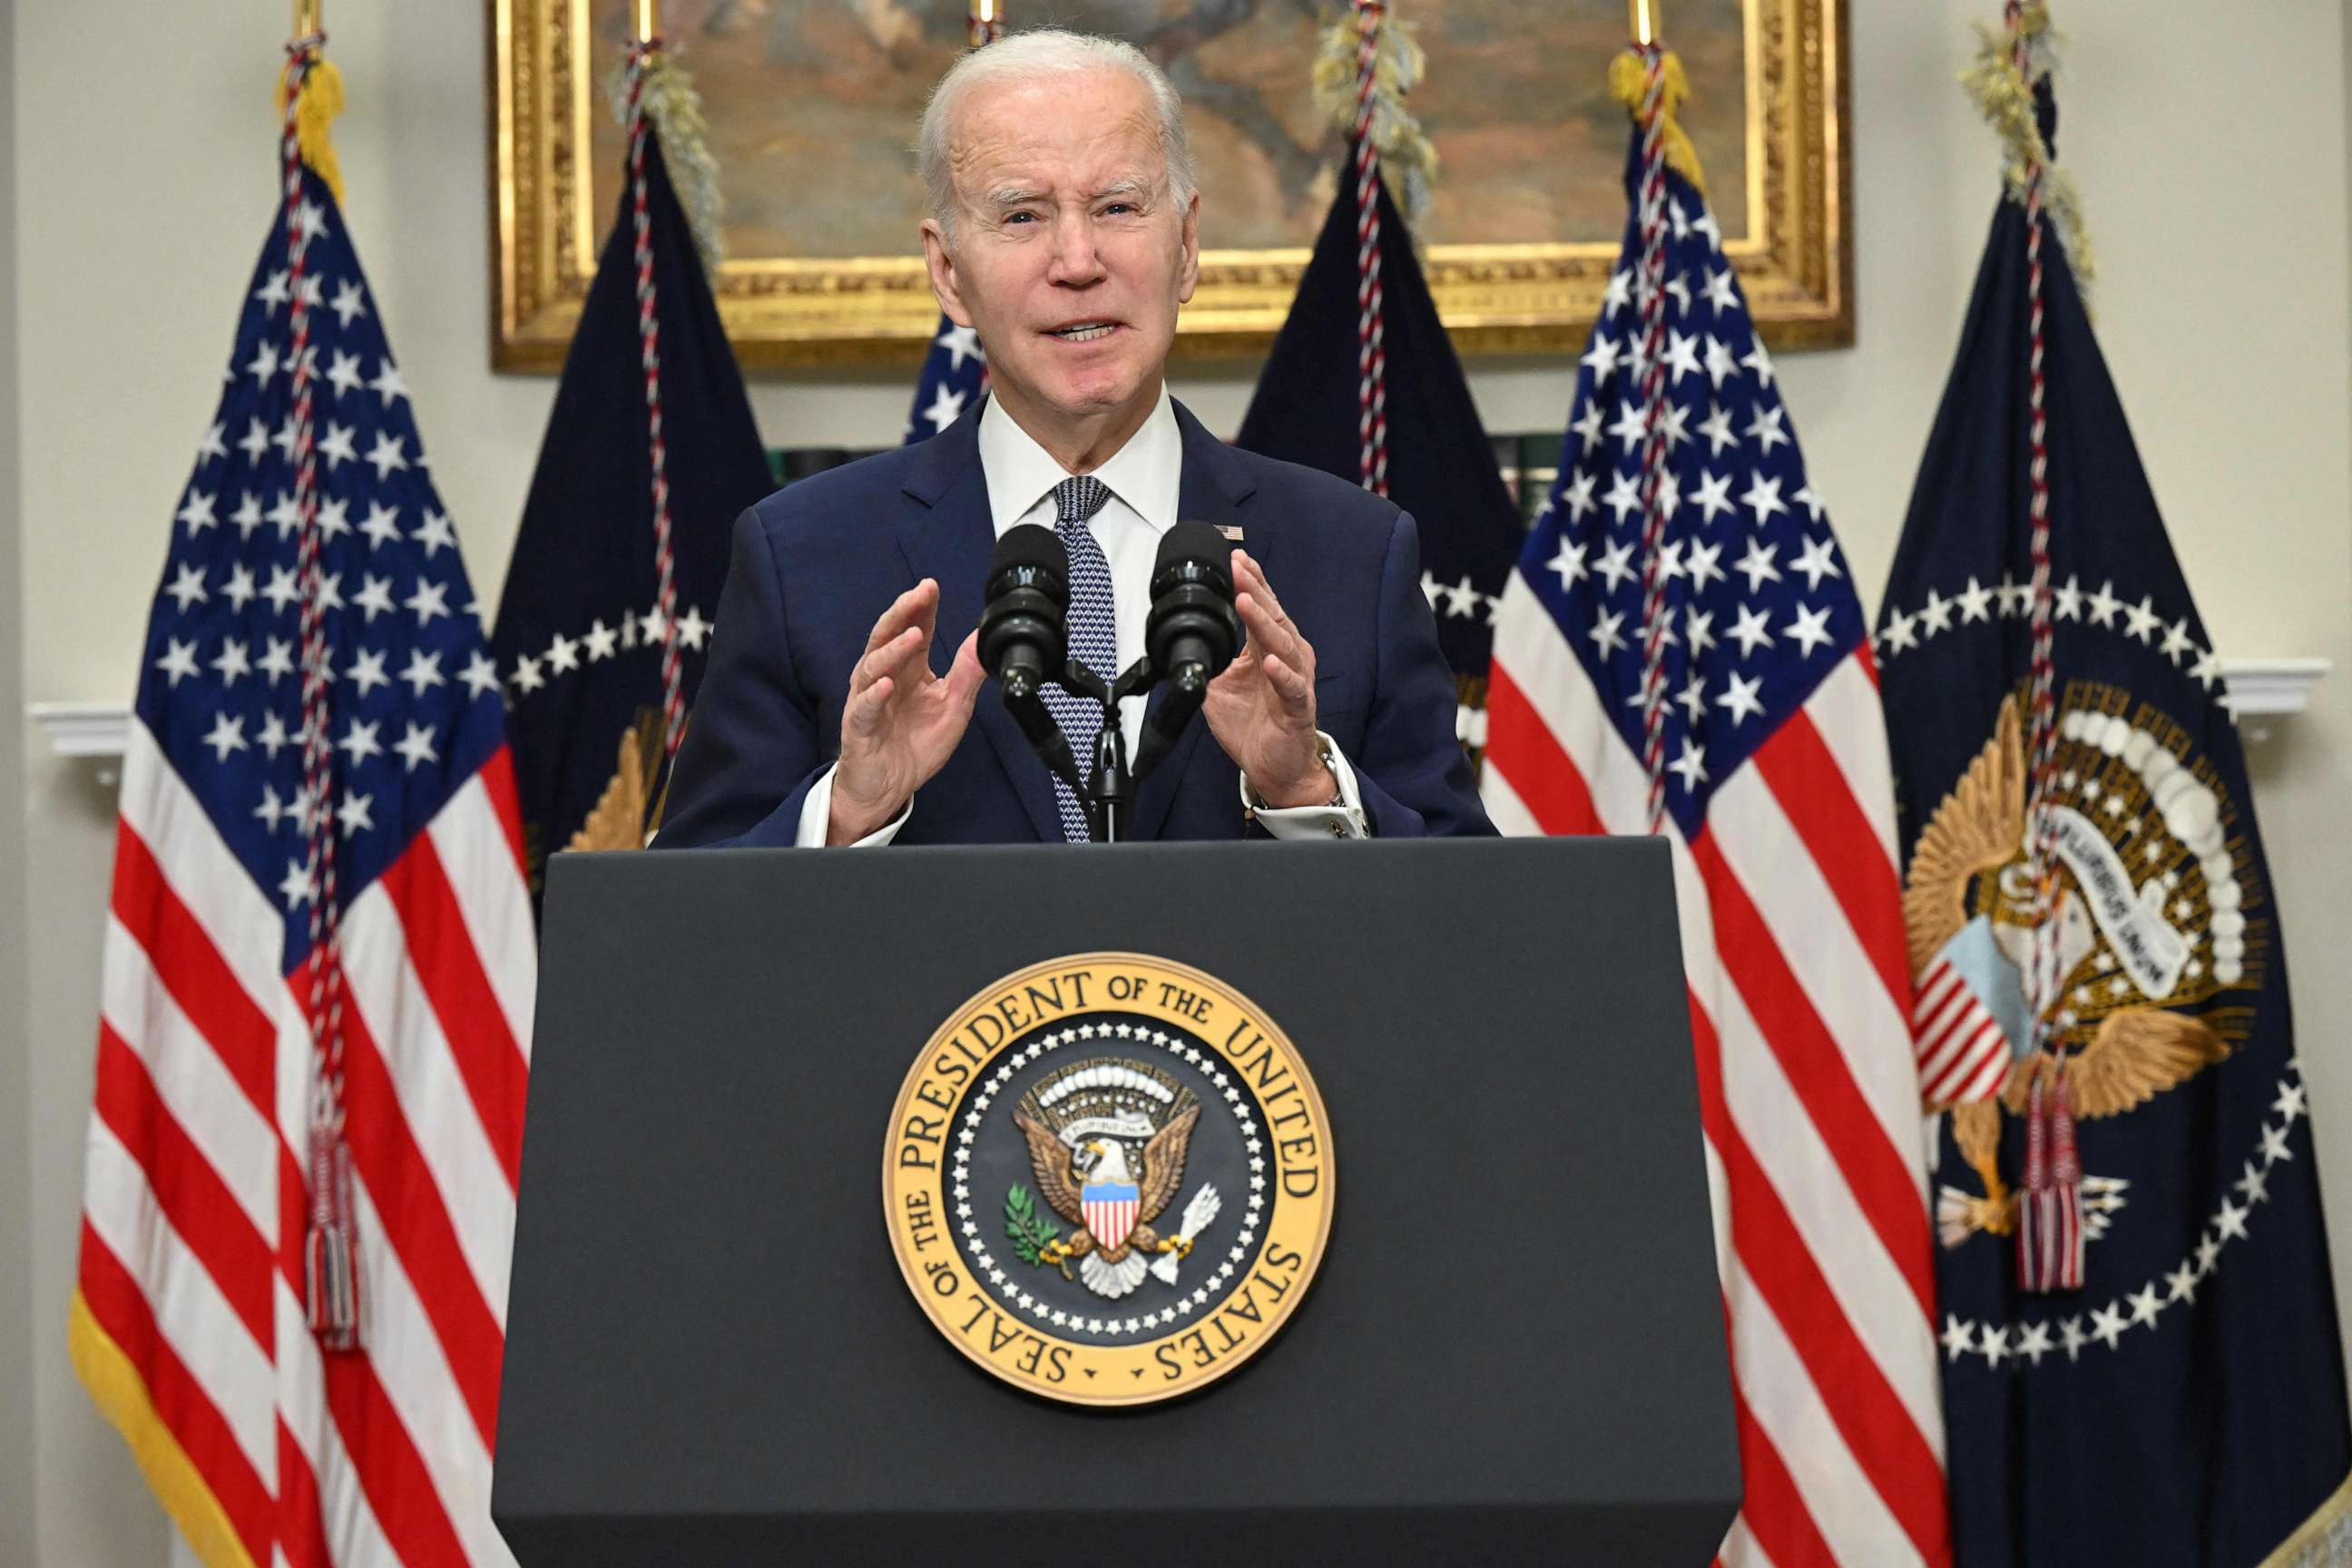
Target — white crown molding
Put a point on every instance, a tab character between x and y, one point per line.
2259	687
83	728
2263	686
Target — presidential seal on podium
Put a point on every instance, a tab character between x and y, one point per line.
1108	1178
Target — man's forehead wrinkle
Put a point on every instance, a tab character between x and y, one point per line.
997	144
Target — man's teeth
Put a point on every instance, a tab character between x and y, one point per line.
1085	334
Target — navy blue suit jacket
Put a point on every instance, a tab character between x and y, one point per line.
816	565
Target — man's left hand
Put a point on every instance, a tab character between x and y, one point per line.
1262	709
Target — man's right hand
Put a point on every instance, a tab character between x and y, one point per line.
902	722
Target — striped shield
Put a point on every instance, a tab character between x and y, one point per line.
1109	1208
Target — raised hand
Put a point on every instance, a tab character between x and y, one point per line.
902	722
1262	709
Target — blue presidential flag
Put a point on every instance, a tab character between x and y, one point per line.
583	639
1439	465
2179	1396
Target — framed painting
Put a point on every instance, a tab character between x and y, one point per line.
813	104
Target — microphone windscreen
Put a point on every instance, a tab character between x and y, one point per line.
1190	543
1030	545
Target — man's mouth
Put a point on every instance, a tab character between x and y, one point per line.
1083	331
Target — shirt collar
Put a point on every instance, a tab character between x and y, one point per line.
1145	474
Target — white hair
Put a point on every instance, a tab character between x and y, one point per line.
1024	57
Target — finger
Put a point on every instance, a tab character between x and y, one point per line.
966	674
1272	638
926	610
863	717
888	659
921	599
1259	587
1296	689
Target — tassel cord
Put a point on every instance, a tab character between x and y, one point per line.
330	1252
1650	288
1372	351
641	55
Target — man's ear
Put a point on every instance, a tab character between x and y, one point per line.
1188	273
939	261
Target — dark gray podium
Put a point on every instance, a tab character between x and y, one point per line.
1513	1352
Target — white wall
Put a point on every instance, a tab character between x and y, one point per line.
2215	175
17	1304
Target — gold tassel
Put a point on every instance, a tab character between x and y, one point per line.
323	100
1408	159
2005	95
1629	82
674	107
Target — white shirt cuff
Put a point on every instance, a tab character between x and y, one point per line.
816	817
1345	820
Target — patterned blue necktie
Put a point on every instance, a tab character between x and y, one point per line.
1093	640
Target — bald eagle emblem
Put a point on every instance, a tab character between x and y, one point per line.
2154	919
1107	1141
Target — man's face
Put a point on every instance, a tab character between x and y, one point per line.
1071	253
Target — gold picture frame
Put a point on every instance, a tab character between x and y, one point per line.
550	63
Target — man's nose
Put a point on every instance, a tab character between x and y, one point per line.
1076	262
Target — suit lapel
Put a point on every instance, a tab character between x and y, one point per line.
1213	487
945	532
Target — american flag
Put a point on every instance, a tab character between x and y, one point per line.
954	373
1779	803
188	1319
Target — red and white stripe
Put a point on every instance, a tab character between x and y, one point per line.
1109	1220
195	1210
1800	1000
1961	1052
1371	314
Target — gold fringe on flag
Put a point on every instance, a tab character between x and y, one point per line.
1628	80
1408	160
2315	1545
674	106
2005	95
122	1397
323	100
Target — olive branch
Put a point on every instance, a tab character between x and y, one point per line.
1029	1234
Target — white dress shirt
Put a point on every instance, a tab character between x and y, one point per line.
1144	477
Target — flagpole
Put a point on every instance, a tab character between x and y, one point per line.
307	20
985	23
645	20
1643	15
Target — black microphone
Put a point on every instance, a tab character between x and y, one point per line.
1024	630
1193	630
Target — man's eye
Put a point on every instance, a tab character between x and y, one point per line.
1117	208
1021	218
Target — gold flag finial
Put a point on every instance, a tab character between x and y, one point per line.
322	95
647	14
1644	16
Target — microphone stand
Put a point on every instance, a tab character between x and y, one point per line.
1107	786
1108	791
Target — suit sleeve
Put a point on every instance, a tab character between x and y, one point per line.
754	742
1414	776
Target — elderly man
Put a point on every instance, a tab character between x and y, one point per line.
1065	230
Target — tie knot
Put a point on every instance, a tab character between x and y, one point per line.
1075	500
